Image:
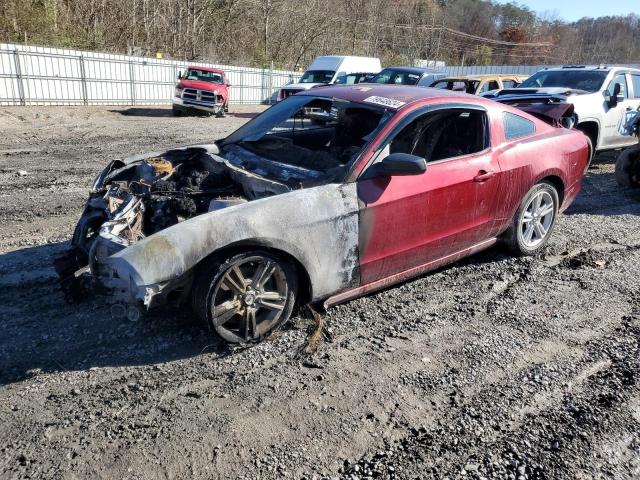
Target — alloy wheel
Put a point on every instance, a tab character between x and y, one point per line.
537	219
249	299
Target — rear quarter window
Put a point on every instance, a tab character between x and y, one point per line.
516	126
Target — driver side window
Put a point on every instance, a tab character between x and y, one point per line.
619	79
443	134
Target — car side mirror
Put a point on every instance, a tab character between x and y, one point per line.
398	164
180	75
616	98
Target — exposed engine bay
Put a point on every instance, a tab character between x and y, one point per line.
135	198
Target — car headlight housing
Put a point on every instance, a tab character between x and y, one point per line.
178	92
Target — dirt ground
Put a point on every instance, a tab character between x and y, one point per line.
495	367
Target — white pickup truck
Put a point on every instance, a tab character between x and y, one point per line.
603	98
332	69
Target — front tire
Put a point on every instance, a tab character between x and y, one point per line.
246	297
534	220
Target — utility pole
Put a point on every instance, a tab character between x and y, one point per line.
266	13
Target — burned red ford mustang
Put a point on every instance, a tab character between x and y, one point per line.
328	195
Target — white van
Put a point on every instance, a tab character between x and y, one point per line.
332	69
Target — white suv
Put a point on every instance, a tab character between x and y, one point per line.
602	97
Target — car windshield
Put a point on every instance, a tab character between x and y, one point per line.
586	80
398	77
350	79
316	134
204	76
317	76
468	86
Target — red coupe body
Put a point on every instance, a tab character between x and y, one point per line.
415	223
329	194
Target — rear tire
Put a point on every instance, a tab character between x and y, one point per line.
592	140
592	154
534	220
246	297
628	167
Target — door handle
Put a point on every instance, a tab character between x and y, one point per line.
483	176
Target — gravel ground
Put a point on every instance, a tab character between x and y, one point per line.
495	367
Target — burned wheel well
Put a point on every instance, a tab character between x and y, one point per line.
305	289
558	184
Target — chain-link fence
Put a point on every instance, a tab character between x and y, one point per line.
46	76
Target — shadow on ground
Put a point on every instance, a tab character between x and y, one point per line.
167	112
144	112
247	115
41	333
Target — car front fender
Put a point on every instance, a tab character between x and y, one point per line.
318	226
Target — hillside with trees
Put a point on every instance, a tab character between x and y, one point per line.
288	33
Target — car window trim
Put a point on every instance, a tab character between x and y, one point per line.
630	82
423	111
626	81
526	135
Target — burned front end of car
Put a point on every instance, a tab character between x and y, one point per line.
150	220
133	199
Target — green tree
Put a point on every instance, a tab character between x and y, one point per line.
483	55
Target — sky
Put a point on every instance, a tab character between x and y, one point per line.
571	10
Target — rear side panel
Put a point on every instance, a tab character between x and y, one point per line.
557	153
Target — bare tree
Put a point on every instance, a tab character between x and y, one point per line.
288	33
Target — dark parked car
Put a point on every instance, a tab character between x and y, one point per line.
385	184
406	76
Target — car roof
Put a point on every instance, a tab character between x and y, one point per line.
207	69
418	70
484	76
407	94
604	68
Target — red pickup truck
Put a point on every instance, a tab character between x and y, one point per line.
201	88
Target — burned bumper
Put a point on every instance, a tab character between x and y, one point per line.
115	284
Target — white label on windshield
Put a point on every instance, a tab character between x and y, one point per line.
387	102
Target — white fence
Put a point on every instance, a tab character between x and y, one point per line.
49	76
